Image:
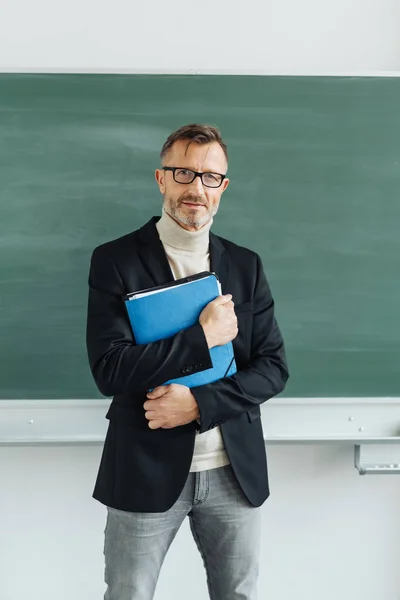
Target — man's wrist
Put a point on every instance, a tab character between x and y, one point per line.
196	411
209	338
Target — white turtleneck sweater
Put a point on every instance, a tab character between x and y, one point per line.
188	253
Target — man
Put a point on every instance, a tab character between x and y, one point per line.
176	452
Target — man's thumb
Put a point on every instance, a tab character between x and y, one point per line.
220	300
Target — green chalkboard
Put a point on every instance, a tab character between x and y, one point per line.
315	179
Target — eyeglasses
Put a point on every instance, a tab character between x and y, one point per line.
181	175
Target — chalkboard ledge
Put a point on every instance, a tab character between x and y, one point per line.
285	420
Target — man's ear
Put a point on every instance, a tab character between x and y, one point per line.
160	178
225	184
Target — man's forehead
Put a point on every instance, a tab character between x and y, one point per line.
201	154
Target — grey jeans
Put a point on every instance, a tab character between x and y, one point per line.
225	527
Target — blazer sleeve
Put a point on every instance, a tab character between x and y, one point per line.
118	364
265	376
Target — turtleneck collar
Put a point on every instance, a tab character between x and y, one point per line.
175	236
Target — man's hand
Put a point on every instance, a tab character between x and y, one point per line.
170	406
219	321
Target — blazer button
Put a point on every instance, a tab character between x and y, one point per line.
189	369
184	370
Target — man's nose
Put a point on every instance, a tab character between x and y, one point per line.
197	185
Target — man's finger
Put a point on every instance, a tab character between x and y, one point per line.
152	405
157	392
155	424
150	415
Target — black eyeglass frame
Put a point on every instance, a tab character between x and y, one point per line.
195	174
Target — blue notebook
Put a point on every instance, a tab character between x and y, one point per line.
161	312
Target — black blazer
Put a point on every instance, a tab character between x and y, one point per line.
144	470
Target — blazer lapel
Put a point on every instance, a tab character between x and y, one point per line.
219	262
153	255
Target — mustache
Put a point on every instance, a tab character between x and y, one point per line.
193	200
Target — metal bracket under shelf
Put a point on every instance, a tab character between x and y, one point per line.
377	459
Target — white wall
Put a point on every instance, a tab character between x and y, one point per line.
328	533
226	36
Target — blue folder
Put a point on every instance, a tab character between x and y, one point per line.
161	312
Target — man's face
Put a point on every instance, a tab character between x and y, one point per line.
192	205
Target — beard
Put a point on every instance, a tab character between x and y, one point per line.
190	216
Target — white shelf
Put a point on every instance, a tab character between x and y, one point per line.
285	420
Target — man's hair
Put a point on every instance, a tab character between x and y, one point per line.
200	134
